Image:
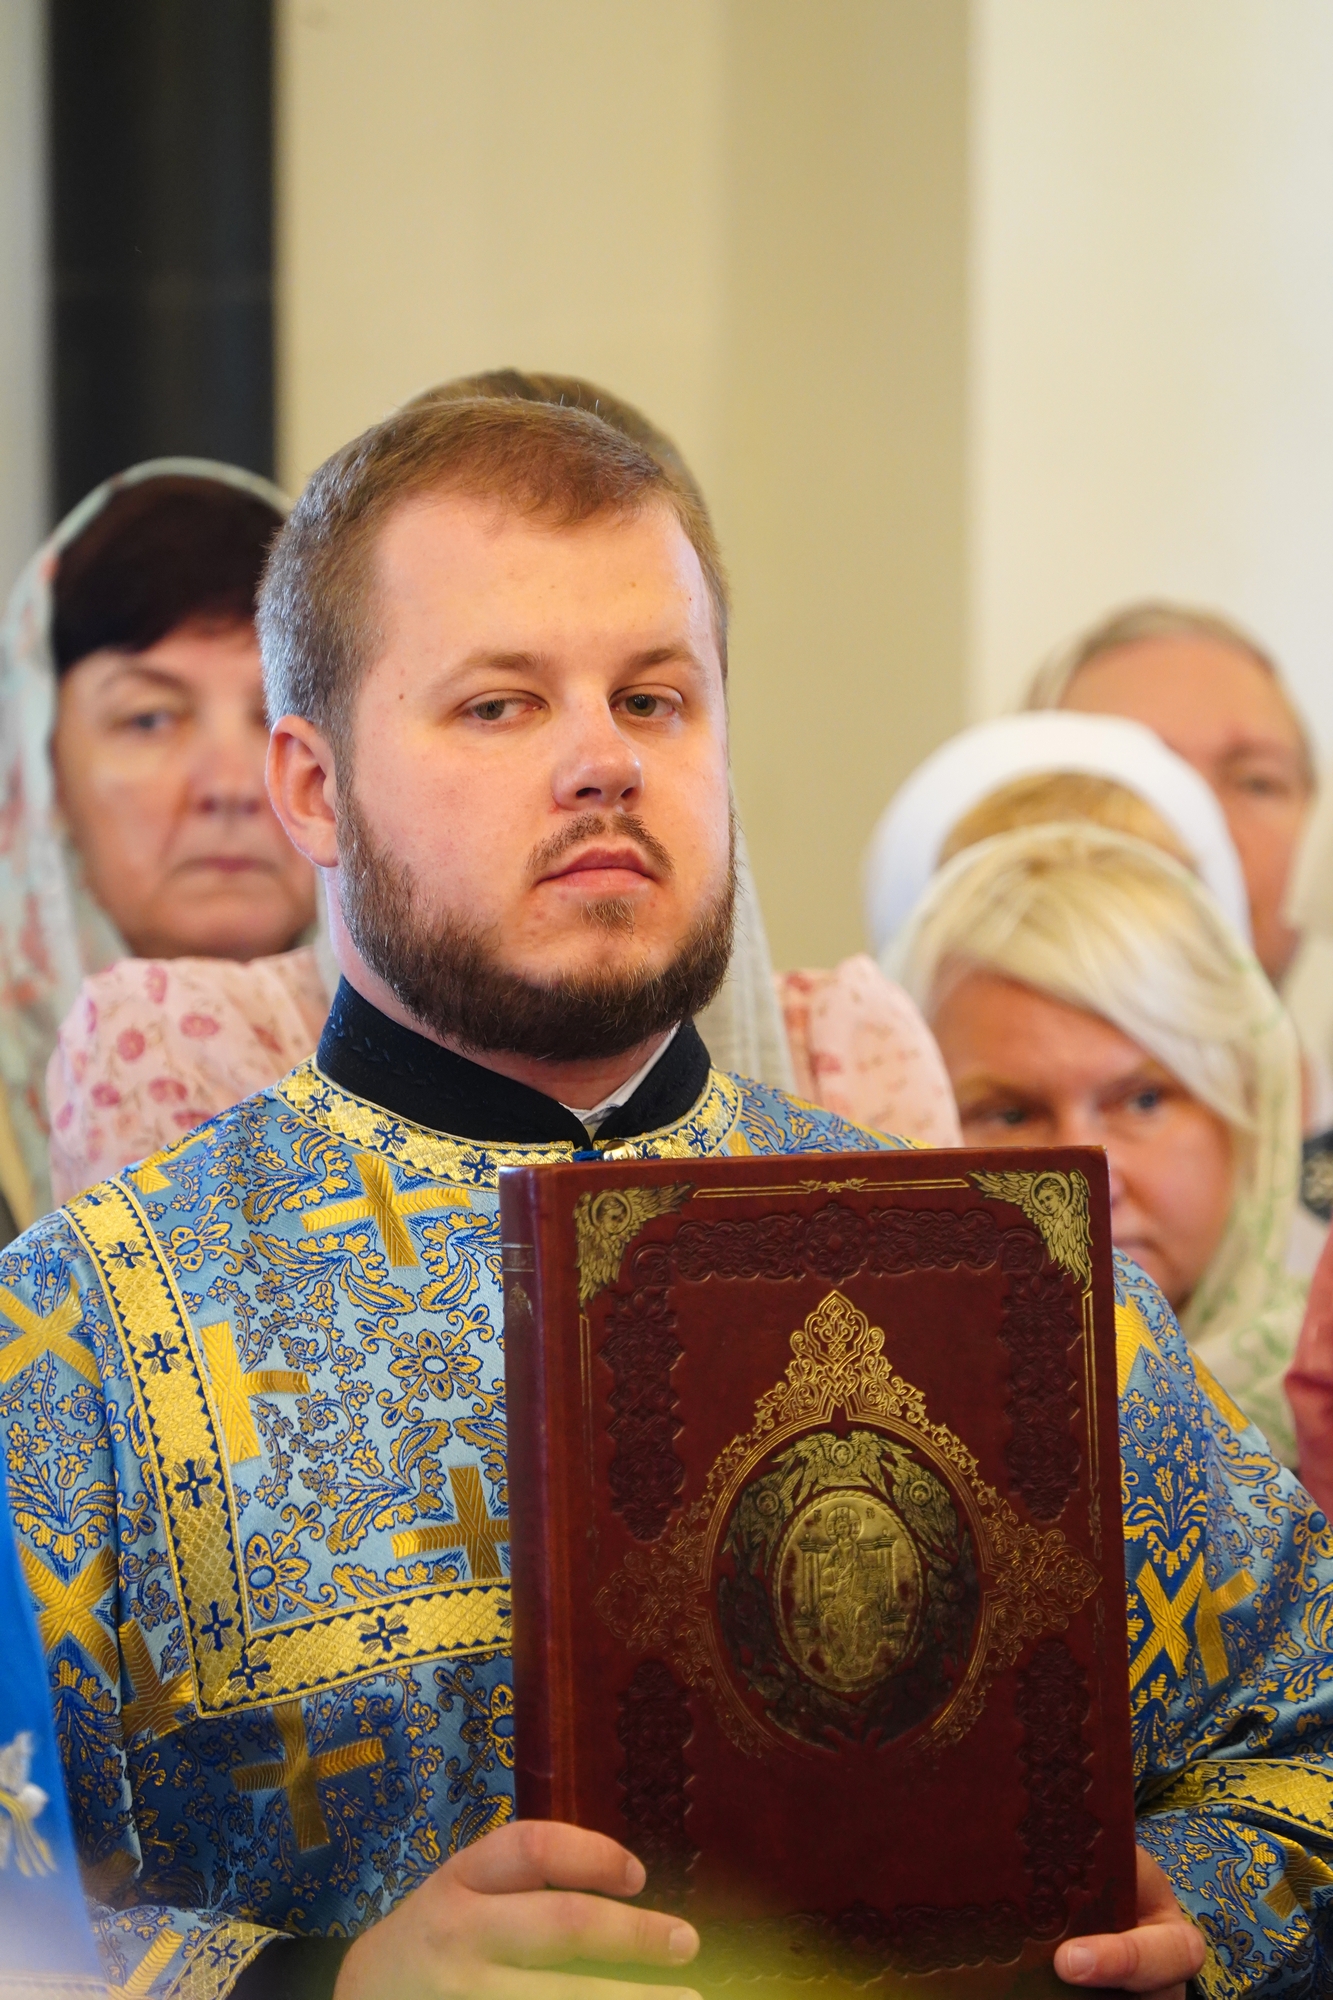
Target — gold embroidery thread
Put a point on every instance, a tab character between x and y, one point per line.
48	1334
299	1774
384	1205
234	1386
65	1610
475	1530
160	1706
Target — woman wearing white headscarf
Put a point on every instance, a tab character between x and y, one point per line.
133	817
912	832
1086	988
859	1045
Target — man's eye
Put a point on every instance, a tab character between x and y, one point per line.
1012	1114
148	721
645	706
1146	1099
491	711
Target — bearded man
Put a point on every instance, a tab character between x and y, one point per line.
254	1410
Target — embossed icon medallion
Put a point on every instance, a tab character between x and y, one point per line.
848	1591
767	1594
837	1561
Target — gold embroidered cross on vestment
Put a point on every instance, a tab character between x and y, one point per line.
234	1386
45	1334
299	1774
1168	1615
474	1528
386	1207
65	1610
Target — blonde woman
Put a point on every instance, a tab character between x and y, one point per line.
1084	988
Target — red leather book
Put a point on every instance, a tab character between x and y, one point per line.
818	1573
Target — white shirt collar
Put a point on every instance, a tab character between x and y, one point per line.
597	1114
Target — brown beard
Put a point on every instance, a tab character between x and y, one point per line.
449	976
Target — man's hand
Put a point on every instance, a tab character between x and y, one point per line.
1155	1958
533	1893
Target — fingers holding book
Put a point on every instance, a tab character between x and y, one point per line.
531	1896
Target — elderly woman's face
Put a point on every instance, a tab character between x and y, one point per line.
159	760
1031	1071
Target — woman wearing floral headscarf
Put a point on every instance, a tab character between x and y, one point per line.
133	816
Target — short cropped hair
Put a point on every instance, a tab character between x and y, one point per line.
572	392
167	551
1155	618
555	464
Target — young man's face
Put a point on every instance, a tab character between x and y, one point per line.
539	745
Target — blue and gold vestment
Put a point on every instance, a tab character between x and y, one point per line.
252	1402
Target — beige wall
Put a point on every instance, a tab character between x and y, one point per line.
747	215
1152	323
841	487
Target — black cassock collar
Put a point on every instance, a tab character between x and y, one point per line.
366	1054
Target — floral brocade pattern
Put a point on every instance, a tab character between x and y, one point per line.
252	1401
251	1397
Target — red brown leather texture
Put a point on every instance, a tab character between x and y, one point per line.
817	1559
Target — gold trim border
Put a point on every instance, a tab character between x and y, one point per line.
466	1163
235	1665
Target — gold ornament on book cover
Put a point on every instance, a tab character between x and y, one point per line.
861	1585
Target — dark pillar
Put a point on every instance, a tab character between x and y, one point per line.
161	180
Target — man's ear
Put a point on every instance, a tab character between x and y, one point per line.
303	788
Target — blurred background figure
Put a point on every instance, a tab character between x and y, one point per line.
1085	989
848	1026
1212	692
1216	698
860	1047
134	816
1015	771
1310	1384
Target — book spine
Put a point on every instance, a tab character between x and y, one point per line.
530	1498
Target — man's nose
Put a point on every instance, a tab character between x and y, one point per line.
598	767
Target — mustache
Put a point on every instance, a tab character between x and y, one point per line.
450	975
620	826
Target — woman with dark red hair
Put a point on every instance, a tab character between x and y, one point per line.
133	816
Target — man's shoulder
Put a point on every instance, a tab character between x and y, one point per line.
46	1246
213	1163
769	1120
1168	1396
